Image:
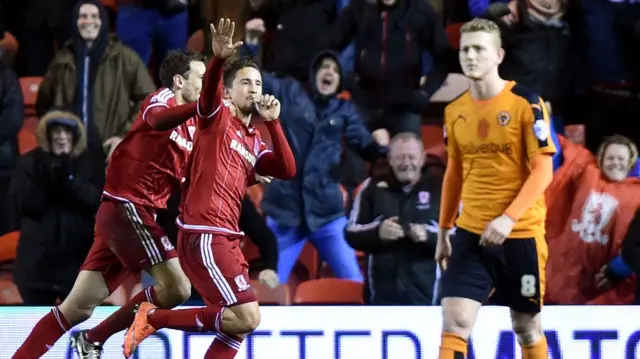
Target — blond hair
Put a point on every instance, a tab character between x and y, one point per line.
483	25
619	140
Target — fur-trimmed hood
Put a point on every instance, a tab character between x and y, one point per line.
64	118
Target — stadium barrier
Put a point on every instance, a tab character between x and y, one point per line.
298	332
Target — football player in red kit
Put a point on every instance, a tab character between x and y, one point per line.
144	169
227	153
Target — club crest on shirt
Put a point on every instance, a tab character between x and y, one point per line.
166	244
241	283
504	118
424	200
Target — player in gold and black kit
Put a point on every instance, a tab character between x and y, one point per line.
499	164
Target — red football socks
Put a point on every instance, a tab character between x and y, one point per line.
122	318
44	335
202	319
224	346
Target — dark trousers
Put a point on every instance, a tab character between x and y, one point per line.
146	29
8	217
40	297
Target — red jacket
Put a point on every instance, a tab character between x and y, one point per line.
587	219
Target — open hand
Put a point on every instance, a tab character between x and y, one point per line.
268	107
222	39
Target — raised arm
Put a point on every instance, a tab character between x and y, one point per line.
223	47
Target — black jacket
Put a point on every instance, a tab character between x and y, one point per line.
11	118
56	199
400	272
631	250
389	47
535	53
300	26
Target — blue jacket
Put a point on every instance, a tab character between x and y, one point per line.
314	127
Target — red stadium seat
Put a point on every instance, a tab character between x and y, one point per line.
9	294
453	34
30	87
329	291
274	296
9	246
196	41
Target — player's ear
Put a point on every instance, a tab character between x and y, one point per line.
500	55
178	81
226	92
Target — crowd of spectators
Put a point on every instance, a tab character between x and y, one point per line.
363	85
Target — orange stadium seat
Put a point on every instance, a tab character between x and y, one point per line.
256	193
26	140
9	246
30	86
196	41
274	296
329	291
9	44
9	294
453	34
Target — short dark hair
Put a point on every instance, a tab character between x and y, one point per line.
231	68
177	63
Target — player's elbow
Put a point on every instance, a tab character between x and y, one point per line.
289	173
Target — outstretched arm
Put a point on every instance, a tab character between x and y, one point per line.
163	118
223	47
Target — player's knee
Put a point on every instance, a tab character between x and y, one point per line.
175	293
76	313
248	317
459	316
526	327
251	321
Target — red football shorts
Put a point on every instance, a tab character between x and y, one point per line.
216	267
127	240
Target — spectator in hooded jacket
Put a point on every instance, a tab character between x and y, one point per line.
395	221
56	189
100	78
11	118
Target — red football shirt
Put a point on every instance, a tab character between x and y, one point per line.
148	164
222	164
226	154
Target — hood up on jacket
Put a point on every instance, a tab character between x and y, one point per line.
103	35
66	119
313	70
